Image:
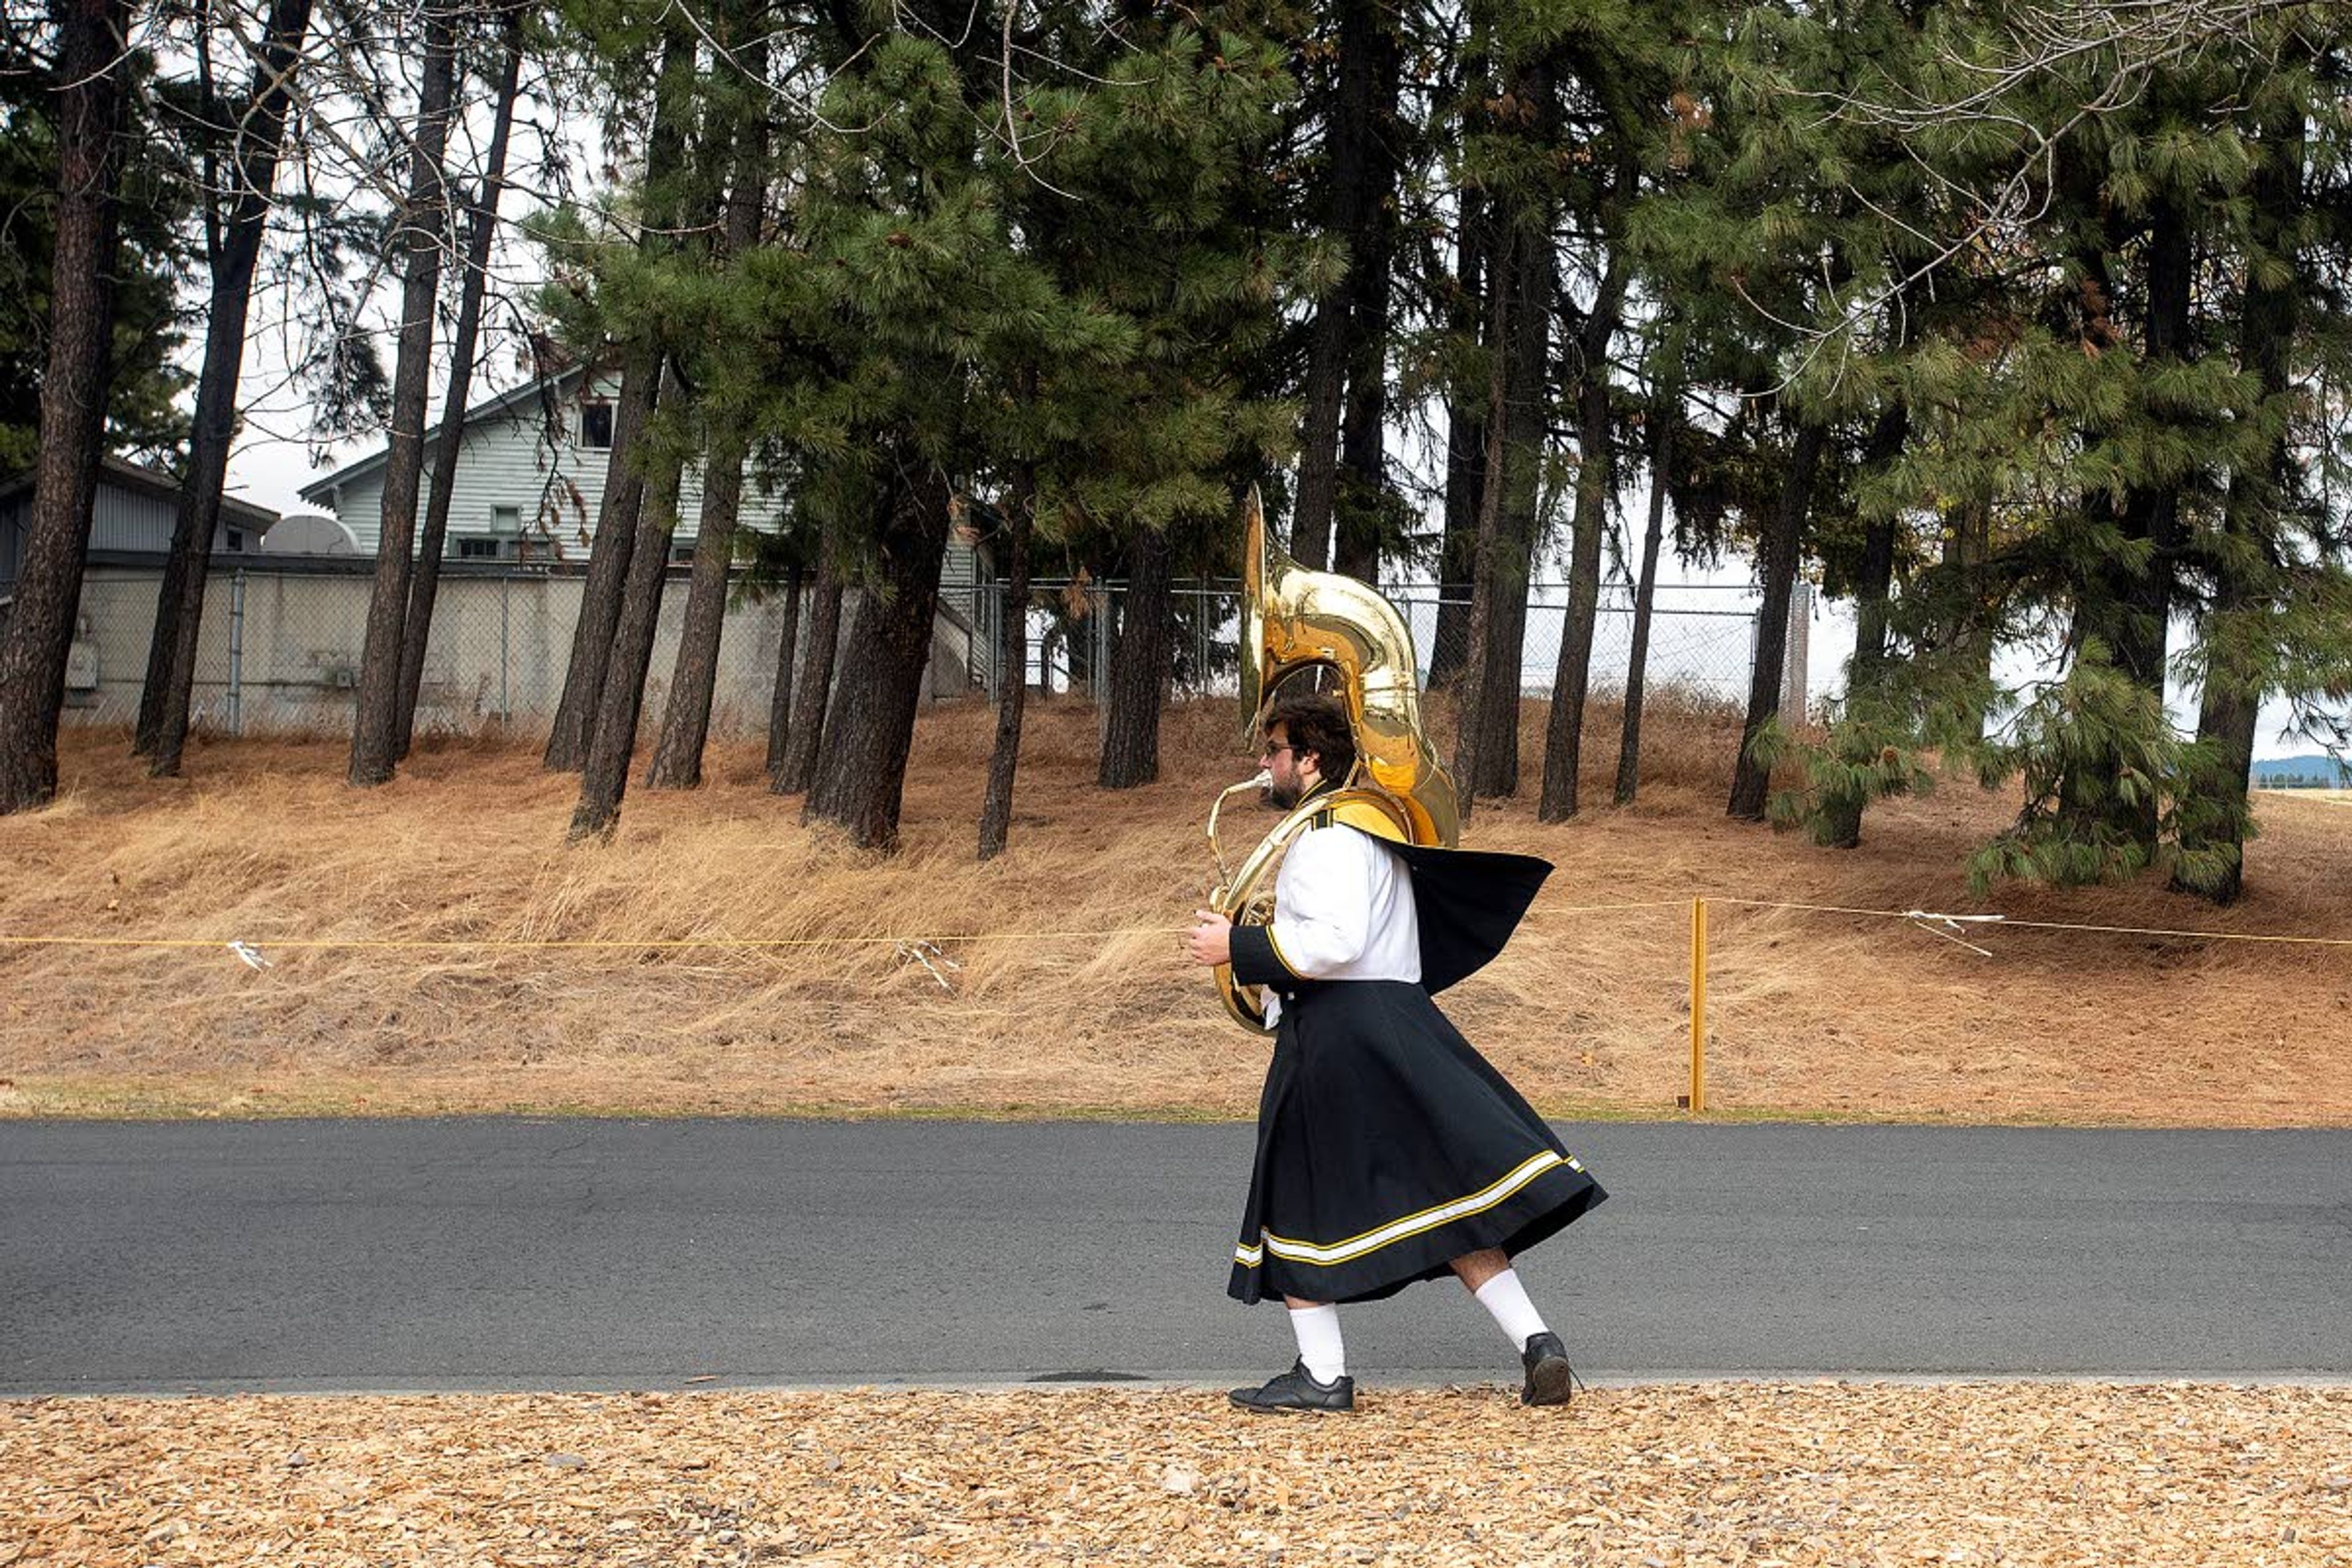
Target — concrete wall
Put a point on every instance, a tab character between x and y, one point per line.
496	656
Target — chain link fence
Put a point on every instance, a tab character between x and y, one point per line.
1702	637
282	641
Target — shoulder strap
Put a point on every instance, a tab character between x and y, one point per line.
1365	817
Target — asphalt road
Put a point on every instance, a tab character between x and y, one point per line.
568	1254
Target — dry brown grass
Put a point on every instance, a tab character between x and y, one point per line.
1080	1002
1805	1476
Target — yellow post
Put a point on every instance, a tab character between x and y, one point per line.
1698	1007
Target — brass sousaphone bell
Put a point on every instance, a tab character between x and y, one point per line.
1294	620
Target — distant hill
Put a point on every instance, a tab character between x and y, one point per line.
2315	772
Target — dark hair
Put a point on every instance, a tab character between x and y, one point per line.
1316	723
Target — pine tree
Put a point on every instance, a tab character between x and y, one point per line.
1764	251
93	61
239	138
1356	78
2101	430
1622	86
1662	419
1510	148
741	116
606	305
2271	599
157	191
1012	659
1071	280
417	235
482	222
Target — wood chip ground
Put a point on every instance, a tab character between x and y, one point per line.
1758	1473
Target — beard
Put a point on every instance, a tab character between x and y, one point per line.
1283	796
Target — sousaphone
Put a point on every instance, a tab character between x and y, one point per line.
1295	620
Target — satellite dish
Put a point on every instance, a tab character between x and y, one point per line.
310	534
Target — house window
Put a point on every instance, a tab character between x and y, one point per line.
478	550
596	425
506	521
237	539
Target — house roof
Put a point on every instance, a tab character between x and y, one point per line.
141	480
320	491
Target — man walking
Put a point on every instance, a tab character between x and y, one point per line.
1388	1149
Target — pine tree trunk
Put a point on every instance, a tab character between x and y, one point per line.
812	693
1363	436
425	586
1841	826
605	777
780	700
1470	724
1645	593
1138	669
1373	82
2227	721
617	516
1520	477
374	742
1596	485
1319	438
168	692
861	776
1966	549
1012	660
686	716
1358	173
2125	608
2230	706
1778	555
1505	669
164	700
1465	463
39	637
641	367
2155	509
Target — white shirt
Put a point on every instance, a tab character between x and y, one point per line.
1343	909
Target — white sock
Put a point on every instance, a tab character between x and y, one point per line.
1507	1299
1320	1345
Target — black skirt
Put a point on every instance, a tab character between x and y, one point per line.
1387	1147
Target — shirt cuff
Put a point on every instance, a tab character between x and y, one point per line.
1256	960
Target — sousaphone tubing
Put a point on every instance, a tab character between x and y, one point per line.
1295	620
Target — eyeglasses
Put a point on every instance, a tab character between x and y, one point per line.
1271	752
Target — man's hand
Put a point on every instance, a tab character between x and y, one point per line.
1210	939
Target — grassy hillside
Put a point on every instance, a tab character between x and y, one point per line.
1069	994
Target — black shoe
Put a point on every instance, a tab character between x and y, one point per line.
1550	1380
1298	1390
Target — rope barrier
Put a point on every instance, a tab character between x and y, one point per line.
1917	915
927	951
251	946
248	948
